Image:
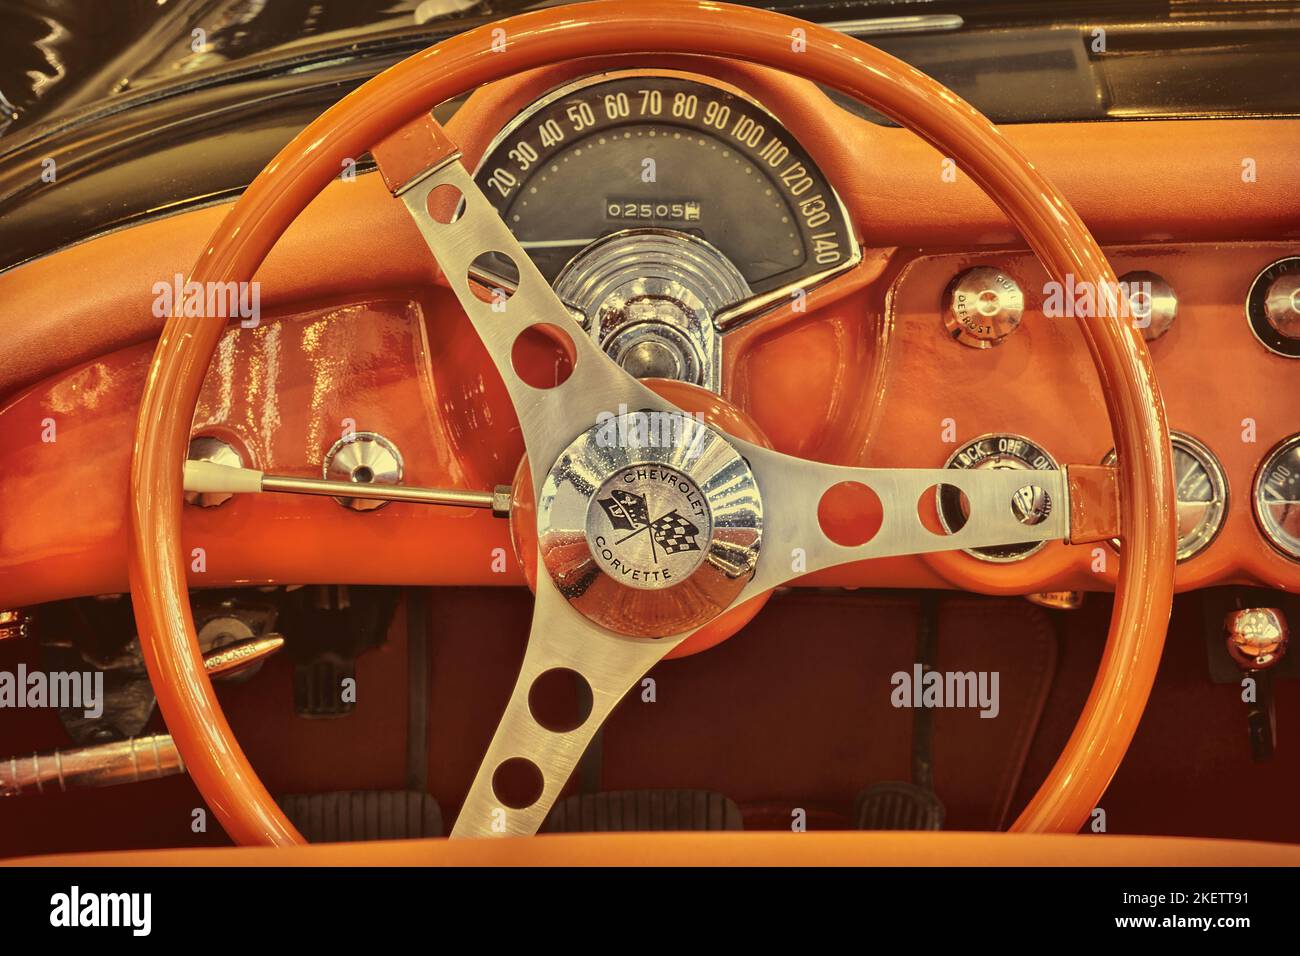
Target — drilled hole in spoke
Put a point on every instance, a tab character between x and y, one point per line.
954	508
543	355
943	509
517	783
560	700
493	278
850	513
444	203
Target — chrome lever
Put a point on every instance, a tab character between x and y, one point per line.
206	477
1257	640
123	761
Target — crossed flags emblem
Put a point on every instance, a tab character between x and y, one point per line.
629	512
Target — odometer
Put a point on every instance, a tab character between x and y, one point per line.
628	152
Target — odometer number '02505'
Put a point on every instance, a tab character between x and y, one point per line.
649	151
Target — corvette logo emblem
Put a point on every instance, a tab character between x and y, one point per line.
629	512
645	524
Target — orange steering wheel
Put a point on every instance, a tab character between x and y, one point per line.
751	507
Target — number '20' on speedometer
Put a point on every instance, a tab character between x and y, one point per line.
647	151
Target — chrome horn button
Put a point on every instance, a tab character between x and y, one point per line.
650	523
658	288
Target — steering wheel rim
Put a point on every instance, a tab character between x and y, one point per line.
400	95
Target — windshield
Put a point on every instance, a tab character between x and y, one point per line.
1016	60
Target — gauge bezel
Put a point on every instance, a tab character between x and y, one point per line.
1209	461
1281	448
938	497
1264	333
741	312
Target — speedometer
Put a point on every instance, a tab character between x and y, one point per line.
669	154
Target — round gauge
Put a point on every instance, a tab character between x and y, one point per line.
1277	497
624	153
994	451
1200	493
1273	307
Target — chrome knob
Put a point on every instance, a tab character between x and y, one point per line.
363	458
982	306
1257	637
1282	305
1151	302
652	358
208	448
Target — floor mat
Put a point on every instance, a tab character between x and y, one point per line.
793	713
644	811
811	679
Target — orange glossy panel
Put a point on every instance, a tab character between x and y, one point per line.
63	512
283	394
380	107
727	849
1215	378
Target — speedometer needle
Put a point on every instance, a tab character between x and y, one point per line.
555	243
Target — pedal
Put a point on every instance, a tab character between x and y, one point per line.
349	816
318	687
895	805
898	806
631	811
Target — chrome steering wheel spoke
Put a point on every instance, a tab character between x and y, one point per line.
531	756
530	759
1005	507
549	417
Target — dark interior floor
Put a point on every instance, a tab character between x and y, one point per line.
793	713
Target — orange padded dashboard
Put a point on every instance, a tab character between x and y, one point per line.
1131	181
725	849
359	330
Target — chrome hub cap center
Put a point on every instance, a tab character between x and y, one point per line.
650	523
